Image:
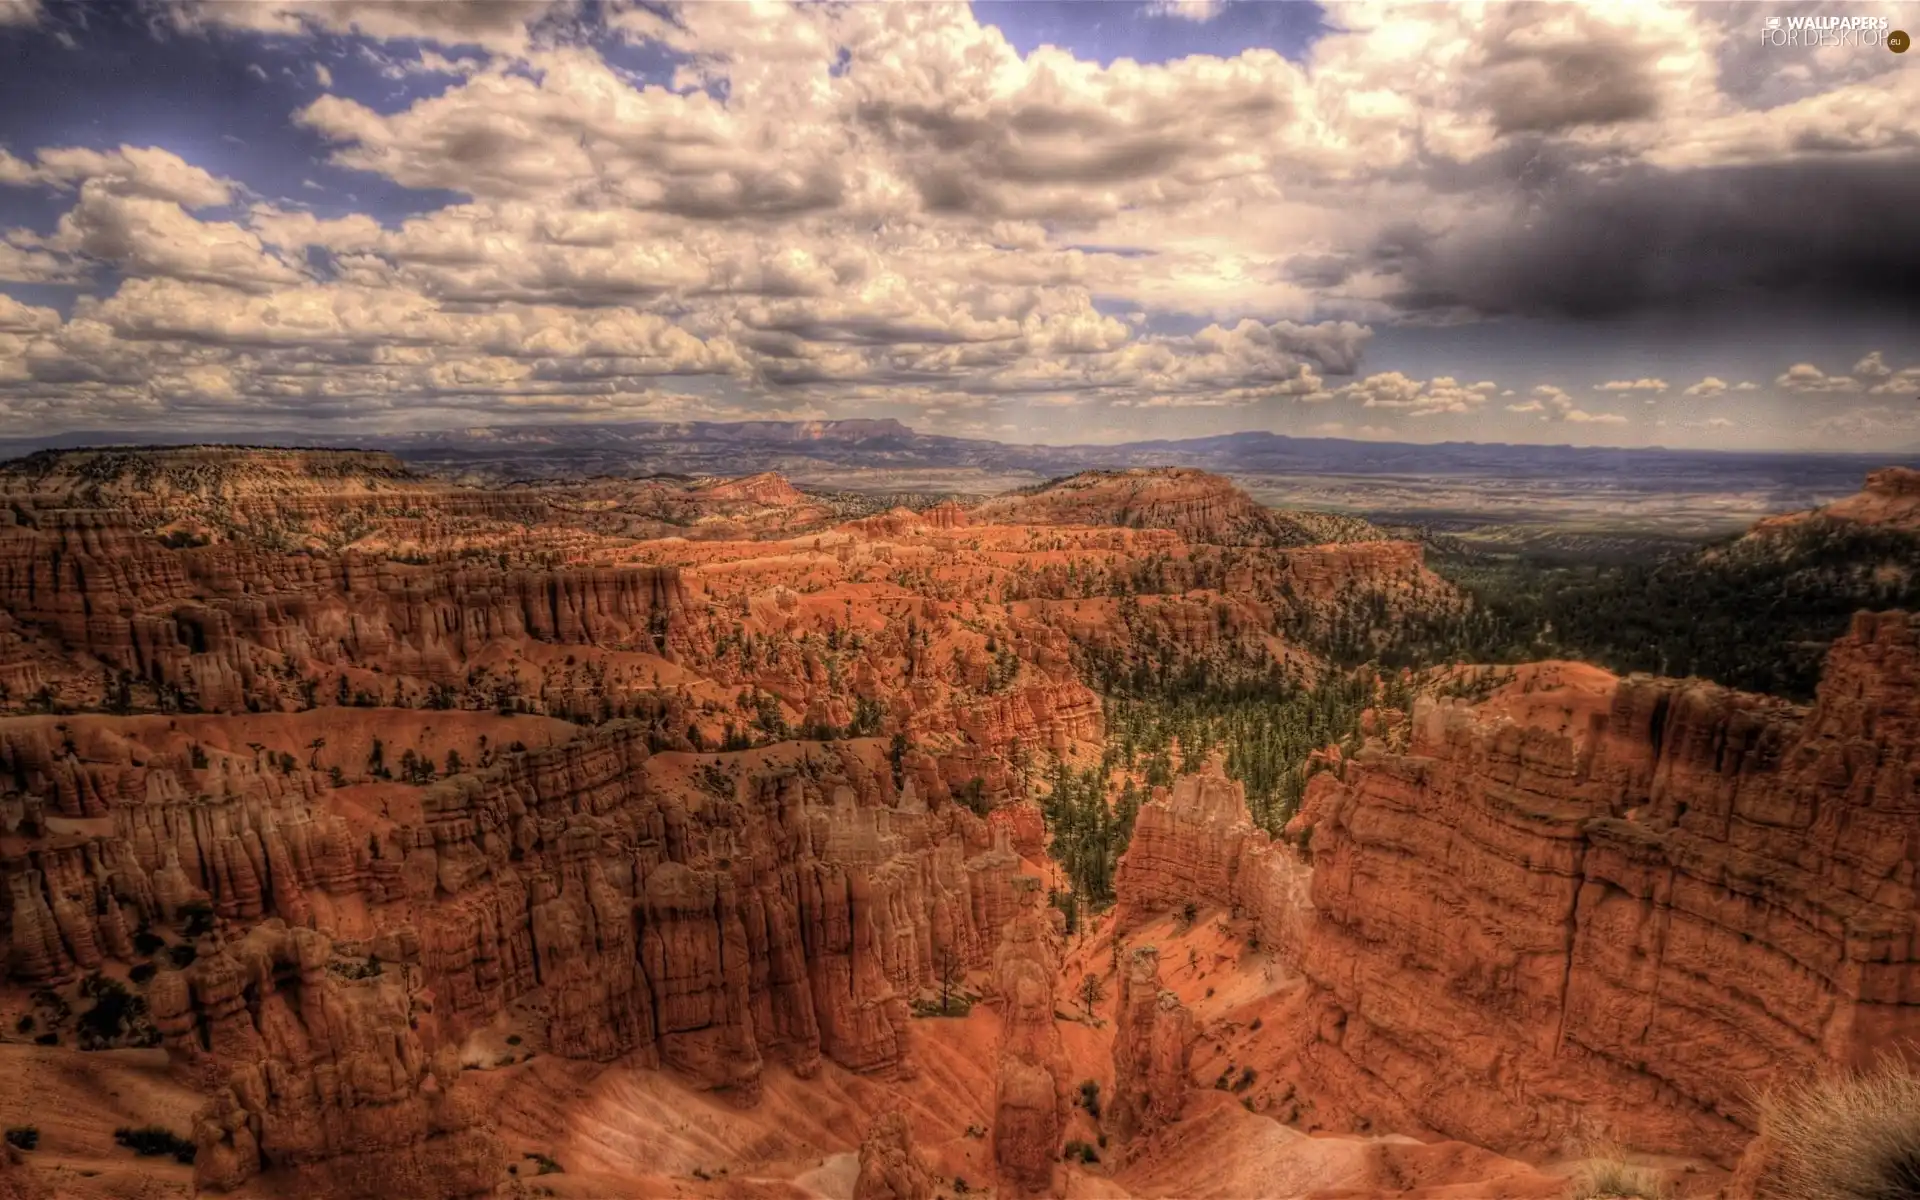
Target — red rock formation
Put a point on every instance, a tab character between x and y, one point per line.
217	627
1616	910
1030	1096
1198	506
326	1083
1186	847
769	488
889	1169
792	918
1890	500
1152	1037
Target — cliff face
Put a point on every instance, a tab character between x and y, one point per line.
327	1083
783	910
1603	906
219	627
327	808
1890	500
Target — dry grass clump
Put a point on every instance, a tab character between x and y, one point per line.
1611	1177
1851	1137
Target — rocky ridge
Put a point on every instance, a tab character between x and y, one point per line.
1202	508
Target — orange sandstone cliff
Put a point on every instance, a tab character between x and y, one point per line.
1586	907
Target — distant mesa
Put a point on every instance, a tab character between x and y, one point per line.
1890	500
769	488
1199	506
108	476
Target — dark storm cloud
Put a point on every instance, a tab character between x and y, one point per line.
1840	235
1320	270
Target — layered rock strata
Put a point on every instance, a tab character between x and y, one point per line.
324	1082
1616	913
784	905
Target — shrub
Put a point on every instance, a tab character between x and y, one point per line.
24	1024
1613	1178
113	1011
152	1141
1082	1151
183	956
147	943
24	1137
1090	1097
513	1039
1245	1081
47	1039
1853	1135
142	972
547	1165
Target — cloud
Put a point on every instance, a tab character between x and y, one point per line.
1417	398
498	25
25	259
19	13
128	171
1833	234
1631	385
1550	403
1870	375
882	207
145	236
1199	11
1713	386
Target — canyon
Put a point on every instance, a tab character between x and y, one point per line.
375	835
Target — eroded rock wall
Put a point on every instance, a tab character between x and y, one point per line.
1590	910
325	1082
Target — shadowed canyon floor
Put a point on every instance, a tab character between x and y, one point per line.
364	835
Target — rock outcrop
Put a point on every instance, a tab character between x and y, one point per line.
1152	1038
889	1168
325	1083
1890	500
1030	1094
1202	508
1587	905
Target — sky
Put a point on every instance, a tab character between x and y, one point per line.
1630	223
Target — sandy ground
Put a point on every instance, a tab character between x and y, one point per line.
77	1100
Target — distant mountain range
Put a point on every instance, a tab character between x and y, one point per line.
823	451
